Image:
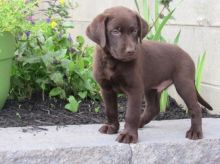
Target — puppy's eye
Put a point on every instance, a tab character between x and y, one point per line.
116	32
134	31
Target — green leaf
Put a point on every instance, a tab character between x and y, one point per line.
146	10
82	95
47	59
68	24
163	100
156	14
60	54
42	82
73	104
32	60
49	44
65	63
89	51
176	40
18	115
199	71
40	37
57	78
71	67
80	39
80	63
57	92
162	24
162	39
97	109
21	49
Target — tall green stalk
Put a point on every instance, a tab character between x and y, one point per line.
199	71
156	14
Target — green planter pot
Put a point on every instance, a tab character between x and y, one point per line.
7	48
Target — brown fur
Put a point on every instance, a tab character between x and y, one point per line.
123	63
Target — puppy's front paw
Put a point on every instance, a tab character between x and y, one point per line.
194	134
109	129
128	136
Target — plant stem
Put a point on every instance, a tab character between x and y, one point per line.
157	18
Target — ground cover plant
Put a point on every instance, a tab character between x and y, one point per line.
13	17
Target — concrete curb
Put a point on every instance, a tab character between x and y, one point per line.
159	142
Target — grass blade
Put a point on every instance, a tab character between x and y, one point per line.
199	71
146	10
156	14
163	100
197	66
176	40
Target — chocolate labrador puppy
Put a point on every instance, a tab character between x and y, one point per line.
123	63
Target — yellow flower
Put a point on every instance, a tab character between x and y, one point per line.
62	2
53	24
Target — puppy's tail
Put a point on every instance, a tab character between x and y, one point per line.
202	101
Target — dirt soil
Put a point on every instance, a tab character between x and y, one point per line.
51	111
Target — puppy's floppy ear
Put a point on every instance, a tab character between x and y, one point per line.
143	27
96	31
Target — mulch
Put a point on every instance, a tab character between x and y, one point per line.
51	111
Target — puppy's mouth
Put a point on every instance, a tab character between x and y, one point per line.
127	58
124	58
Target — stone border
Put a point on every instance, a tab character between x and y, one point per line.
159	142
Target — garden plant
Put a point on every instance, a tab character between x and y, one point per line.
49	60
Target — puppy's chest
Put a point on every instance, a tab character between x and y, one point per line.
113	77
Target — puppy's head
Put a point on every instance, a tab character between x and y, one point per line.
118	29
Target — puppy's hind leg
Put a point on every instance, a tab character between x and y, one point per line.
186	89
152	108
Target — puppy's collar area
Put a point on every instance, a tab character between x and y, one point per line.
109	61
